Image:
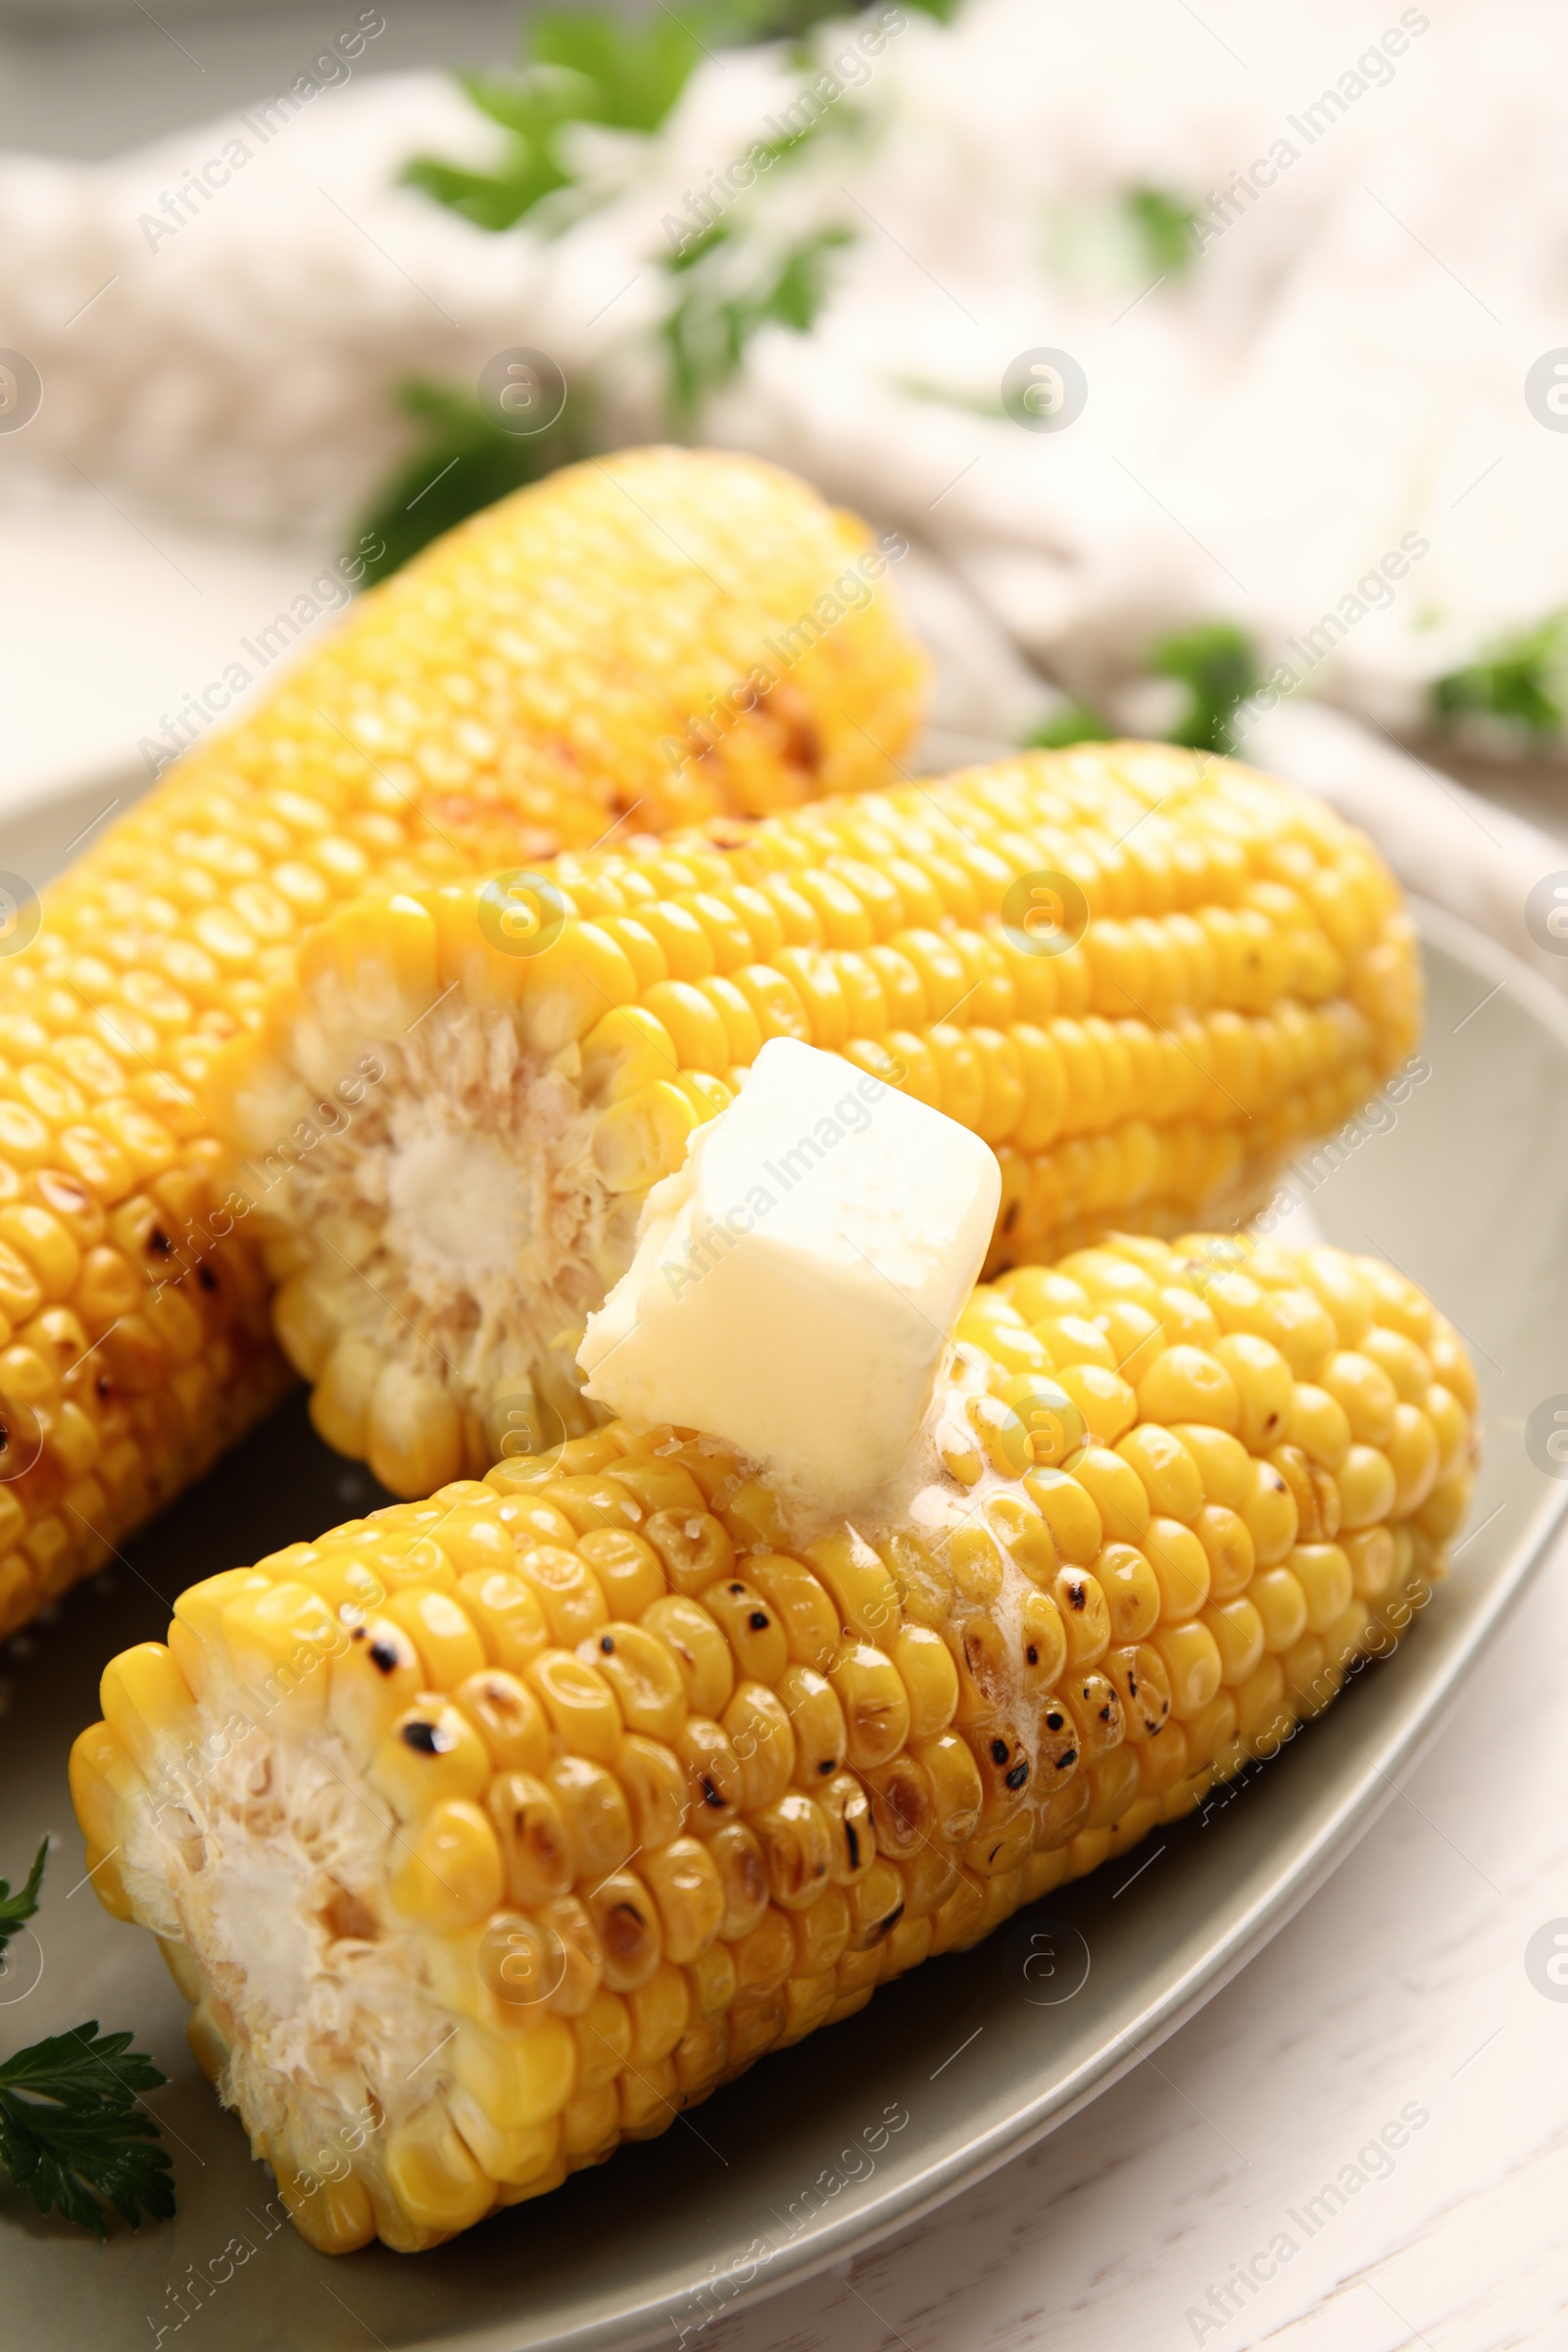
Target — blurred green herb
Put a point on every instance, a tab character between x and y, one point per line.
597	68
1165	228
72	2130
949	396
578	68
1073	722
461	462
706	333
1216	664
1521	684
15	1908
586	67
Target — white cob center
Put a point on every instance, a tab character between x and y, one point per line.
457	1220
268	1858
457	1205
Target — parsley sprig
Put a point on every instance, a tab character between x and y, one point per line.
1519	686
72	2133
721	284
1217	664
706	333
585	67
21	1906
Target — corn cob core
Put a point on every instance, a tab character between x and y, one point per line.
519	687
493	1830
1243	979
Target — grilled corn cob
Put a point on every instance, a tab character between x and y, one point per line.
554	664
527	1056
491	1831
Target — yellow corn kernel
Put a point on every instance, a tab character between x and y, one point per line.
643	1136
875	1704
521	2080
507	1718
579	1702
1084	1616
625	1569
759	1729
859	1584
702	1654
512	2159
1271	1515
1172	1477
626	1922
816	1720
846	1810
755	1634
654	1779
690	1894
1193	1661
436	2180
1281	1601
147	1703
801	1605
596	1813
643	1677
694	1548
281	1642
431	1753
1132	1591
1368	1486
449	1648
453	1875
1324	1575
1239	1636
930	1680
1070	1512
1117	1492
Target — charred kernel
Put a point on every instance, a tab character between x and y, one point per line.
425	1739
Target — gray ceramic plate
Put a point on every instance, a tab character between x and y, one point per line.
947	2074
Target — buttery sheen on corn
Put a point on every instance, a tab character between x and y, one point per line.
491	1831
577	655
543	1046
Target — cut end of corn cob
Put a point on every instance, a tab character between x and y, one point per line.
589	649
492	1830
1142	976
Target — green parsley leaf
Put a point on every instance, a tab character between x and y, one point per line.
73	2135
15	1908
461	462
577	68
706	333
1165	228
631	74
1075	722
1521	684
1216	664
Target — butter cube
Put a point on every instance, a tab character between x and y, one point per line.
797	1282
